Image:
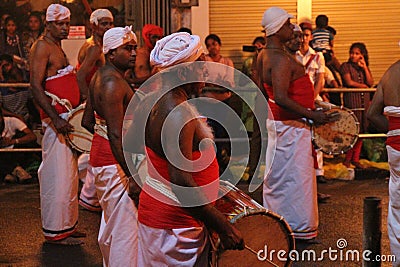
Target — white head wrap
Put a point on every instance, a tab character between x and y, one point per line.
57	12
115	37
273	19
296	28
176	48
99	14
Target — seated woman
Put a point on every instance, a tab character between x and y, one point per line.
356	74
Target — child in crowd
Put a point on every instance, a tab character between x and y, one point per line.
322	38
355	73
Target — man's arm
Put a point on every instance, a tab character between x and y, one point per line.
319	84
375	111
93	54
88	119
186	189
281	77
116	93
39	61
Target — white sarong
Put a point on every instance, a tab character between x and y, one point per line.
118	234
88	196
393	218
58	178
290	187
173	247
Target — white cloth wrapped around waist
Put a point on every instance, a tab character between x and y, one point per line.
101	128
392	111
62	72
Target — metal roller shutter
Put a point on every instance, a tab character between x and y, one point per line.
238	22
375	23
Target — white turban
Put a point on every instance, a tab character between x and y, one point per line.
115	37
296	28
57	12
176	48
99	14
273	19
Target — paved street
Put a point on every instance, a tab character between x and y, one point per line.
22	242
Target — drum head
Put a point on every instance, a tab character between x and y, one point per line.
80	139
339	135
261	230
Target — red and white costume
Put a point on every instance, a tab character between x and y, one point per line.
168	234
289	185
393	150
118	228
314	63
88	196
58	173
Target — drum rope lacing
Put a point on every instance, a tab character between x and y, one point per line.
63	102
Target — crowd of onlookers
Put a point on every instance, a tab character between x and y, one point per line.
18	35
15	43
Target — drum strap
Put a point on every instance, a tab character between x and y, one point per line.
161	188
395	132
55	99
101	130
310	60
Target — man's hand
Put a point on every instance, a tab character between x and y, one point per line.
231	238
134	190
319	117
62	126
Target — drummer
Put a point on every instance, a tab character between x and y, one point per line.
290	184
91	58
173	221
58	173
109	95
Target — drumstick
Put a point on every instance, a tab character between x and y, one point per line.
255	253
344	133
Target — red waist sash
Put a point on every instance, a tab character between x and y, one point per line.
300	91
393	141
65	87
100	152
158	214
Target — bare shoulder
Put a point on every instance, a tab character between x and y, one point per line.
392	75
40	46
111	81
92	47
